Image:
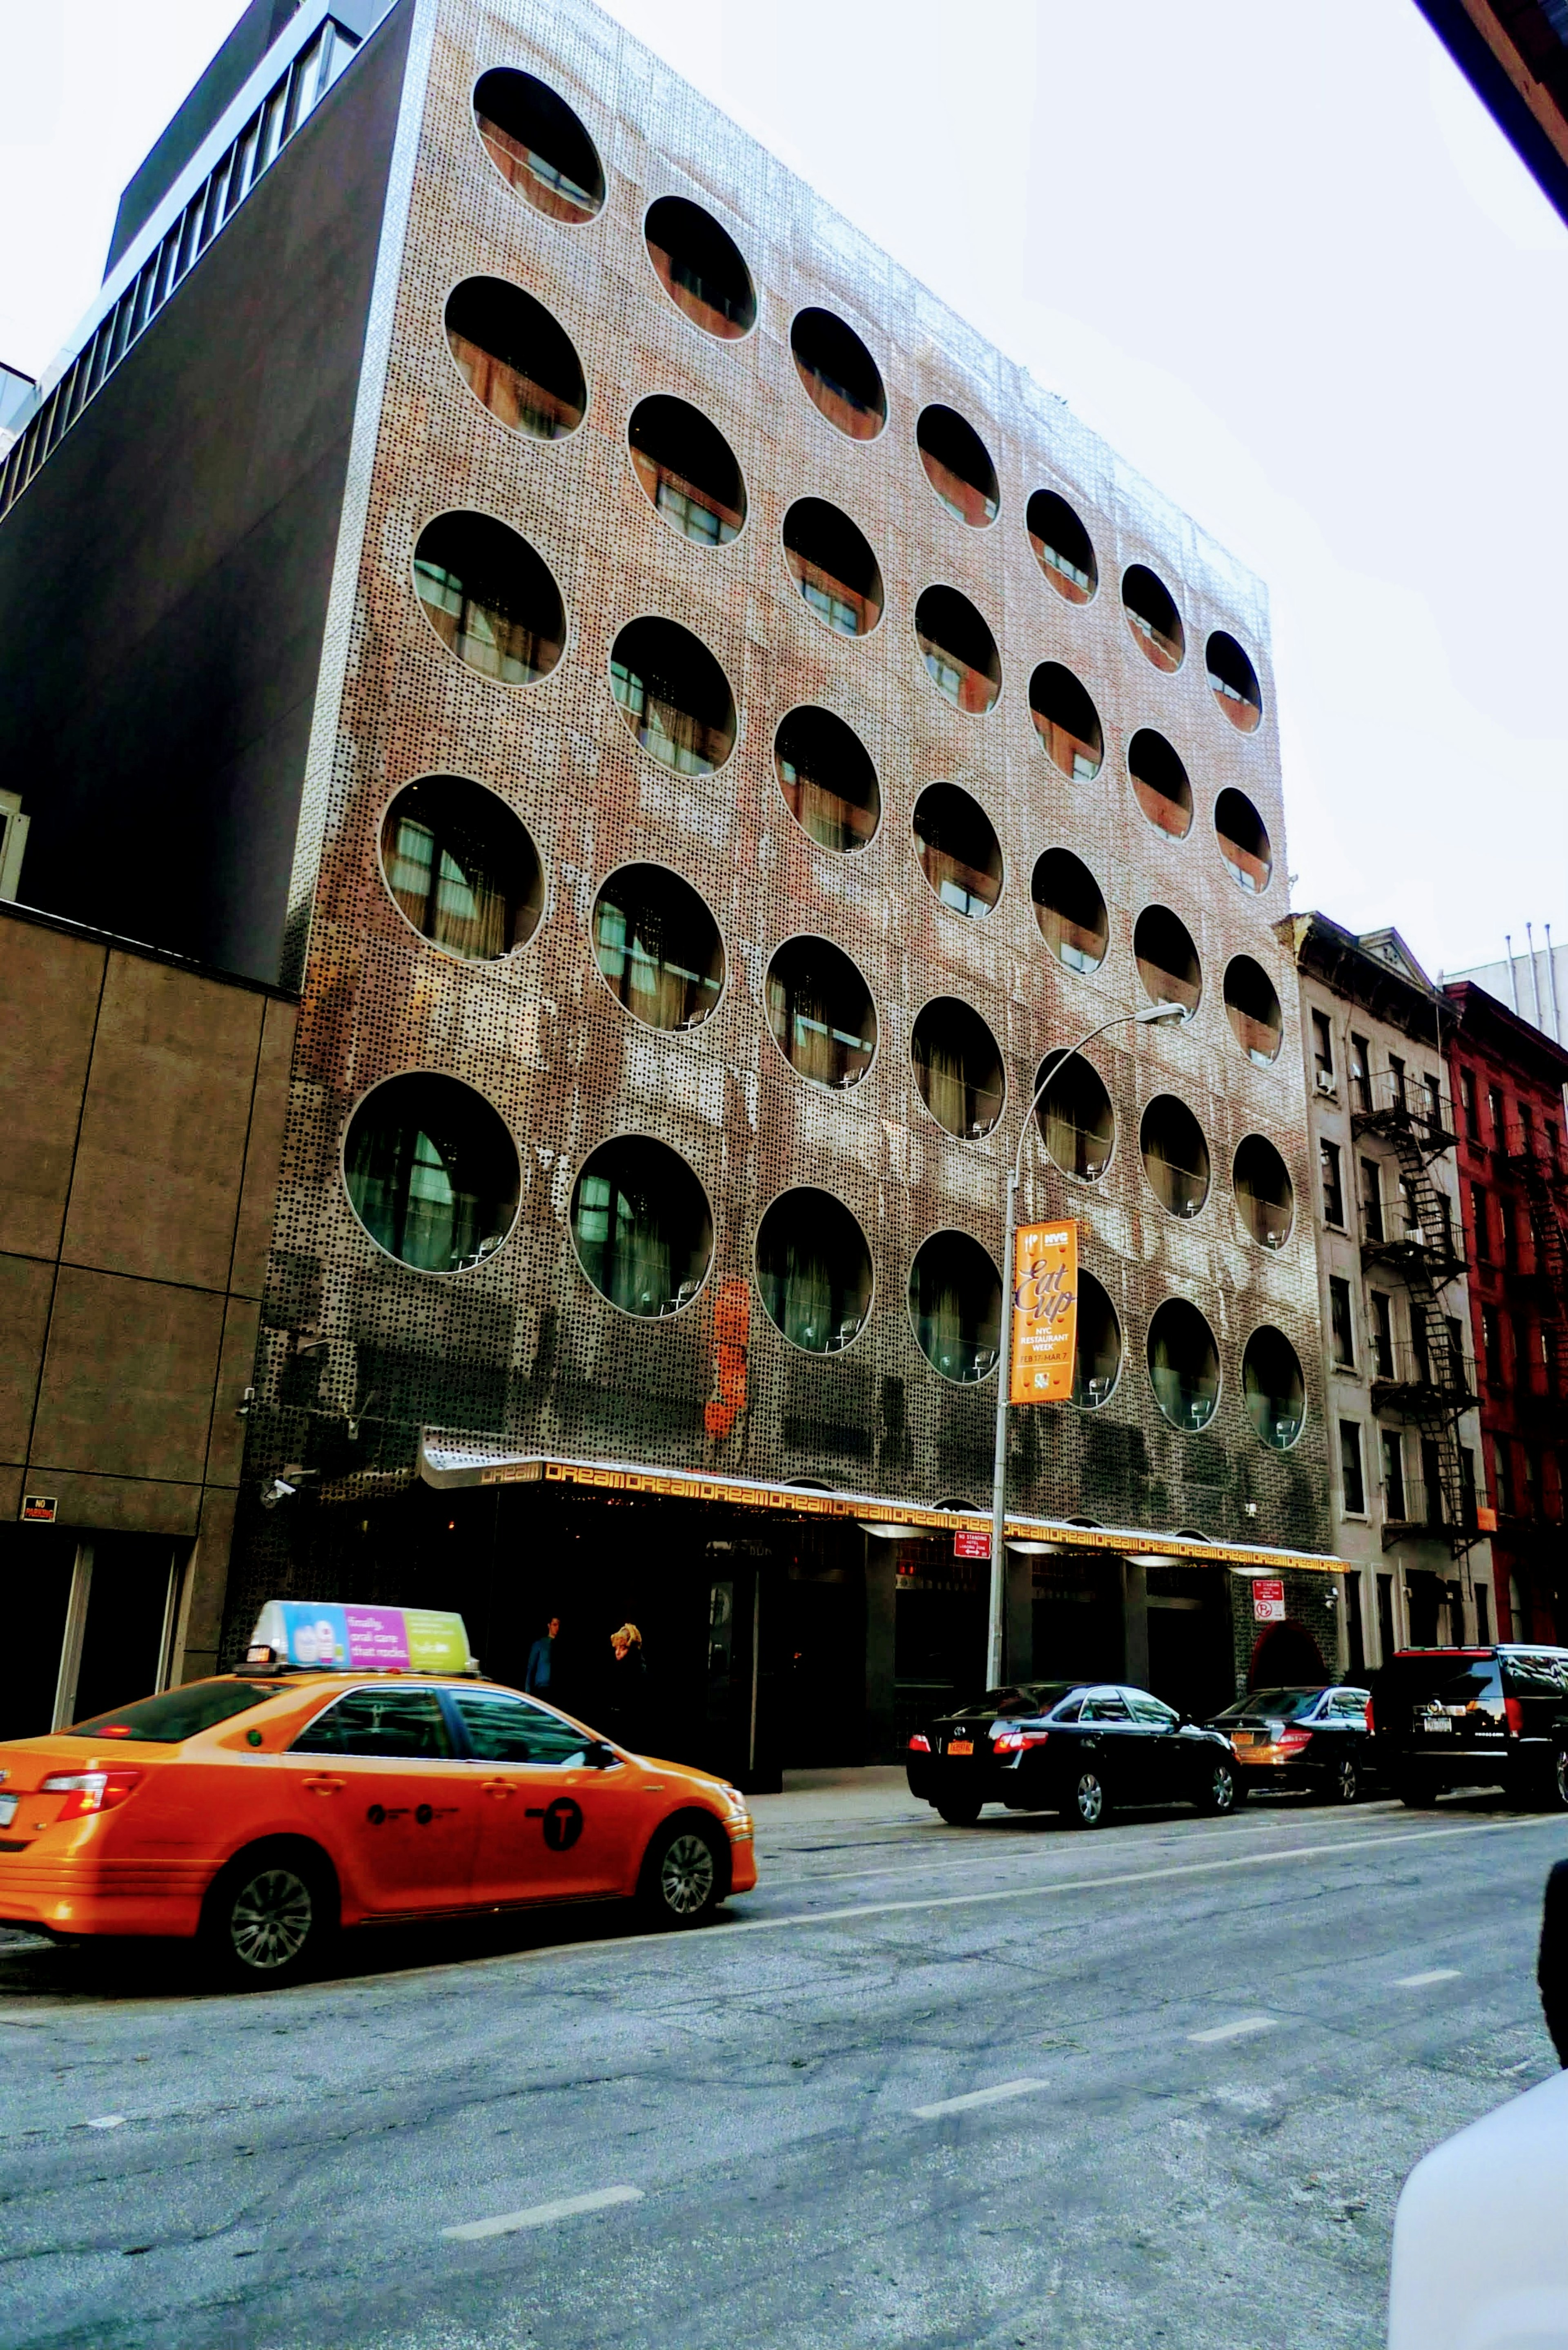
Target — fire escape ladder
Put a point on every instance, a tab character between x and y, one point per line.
1431	1244
1549	1226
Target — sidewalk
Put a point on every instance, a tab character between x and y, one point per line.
877	1794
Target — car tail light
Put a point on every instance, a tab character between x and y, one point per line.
1014	1742
1370	1723
1514	1714
1295	1738
919	1743
87	1792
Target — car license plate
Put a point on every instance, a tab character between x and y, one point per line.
960	1746
8	1809
1244	1738
1442	1728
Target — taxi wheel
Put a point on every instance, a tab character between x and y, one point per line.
268	1916
1087	1804
685	1876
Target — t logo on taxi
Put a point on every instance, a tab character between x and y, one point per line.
563	1823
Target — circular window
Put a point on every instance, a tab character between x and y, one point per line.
1264	1192
959	651
820	1012
515	358
1243	843
641	1226
1274	1388
433	1172
1234	681
489	597
958	1068
1070	910
1175	1156
1167	959
831	563
538	145
1159	783
1067	722
1063	547
828	779
1253	1010
955	1307
1077	1122
813	1270
960	854
1097	1354
958	466
841	376
688	469
673	695
699	264
462	868
1183	1364
659	947
1153	618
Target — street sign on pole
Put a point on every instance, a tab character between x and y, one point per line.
972	1541
1045	1311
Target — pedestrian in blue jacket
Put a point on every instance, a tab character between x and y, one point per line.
542	1676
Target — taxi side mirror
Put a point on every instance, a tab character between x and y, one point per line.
597	1756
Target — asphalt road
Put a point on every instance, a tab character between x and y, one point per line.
1216	2050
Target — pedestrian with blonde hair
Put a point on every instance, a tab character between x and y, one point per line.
625	1701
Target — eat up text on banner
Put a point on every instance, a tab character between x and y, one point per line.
1045	1311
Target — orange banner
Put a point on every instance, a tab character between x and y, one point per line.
1045	1311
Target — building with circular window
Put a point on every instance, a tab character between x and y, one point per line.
432	1171
641	1226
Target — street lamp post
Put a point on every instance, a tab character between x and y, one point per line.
1143	1019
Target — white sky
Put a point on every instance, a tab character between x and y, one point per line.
1276	254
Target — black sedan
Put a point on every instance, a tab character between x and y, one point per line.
1079	1748
1319	1739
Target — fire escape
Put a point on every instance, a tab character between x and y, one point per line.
1427	1383
1529	1156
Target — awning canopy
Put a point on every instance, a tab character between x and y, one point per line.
447	1463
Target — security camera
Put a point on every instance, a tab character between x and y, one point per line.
277	1492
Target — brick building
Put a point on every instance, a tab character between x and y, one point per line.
1507	1080
698	729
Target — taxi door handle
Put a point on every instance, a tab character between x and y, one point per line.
323	1787
498	1787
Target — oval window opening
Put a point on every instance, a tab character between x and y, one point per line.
1066	722
841	376
1253	1010
688	469
1234	681
1097	1354
1167	959
960	853
959	651
958	1068
1071	911
433	1172
1159	783
831	563
489	597
1063	547
538	145
828	781
673	696
1243	842
1266	1195
1183	1364
1273	1388
515	358
820	1012
955	1307
813	1270
958	466
1175	1156
641	1226
462	868
1074	1117
699	264
657	947
1153	618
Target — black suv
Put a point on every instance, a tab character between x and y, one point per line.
1474	1718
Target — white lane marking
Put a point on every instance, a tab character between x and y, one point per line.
978	2097
544	2215
1243	2029
1419	1982
108	2121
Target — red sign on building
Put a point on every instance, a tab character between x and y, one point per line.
972	1541
1268	1601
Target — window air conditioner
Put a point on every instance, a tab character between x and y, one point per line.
1325	1083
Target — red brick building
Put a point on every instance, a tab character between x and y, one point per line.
1508	1081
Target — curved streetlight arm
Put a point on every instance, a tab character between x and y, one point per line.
1145	1017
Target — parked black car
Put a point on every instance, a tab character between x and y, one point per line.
1492	1717
1318	1737
1075	1747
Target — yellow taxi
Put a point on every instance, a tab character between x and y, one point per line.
356	1770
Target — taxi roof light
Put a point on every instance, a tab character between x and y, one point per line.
335	1636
